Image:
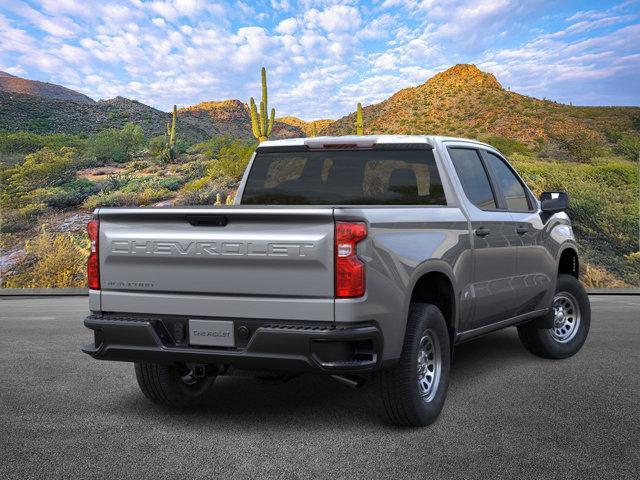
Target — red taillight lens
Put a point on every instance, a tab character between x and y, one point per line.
93	265
350	278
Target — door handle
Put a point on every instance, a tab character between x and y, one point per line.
482	231
207	220
522	229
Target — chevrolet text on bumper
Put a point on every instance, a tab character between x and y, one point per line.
347	256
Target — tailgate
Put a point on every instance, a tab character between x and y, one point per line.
237	261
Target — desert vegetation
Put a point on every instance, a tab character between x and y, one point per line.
51	181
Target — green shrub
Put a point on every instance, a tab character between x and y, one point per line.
233	160
201	196
507	146
171	183
126	199
116	182
629	146
40	125
68	195
581	146
52	261
28	142
44	169
116	145
24	218
212	147
157	145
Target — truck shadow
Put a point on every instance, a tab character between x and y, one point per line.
316	400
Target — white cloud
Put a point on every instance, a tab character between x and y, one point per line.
164	9
14	39
72	54
386	61
378	27
335	19
287	26
56	26
15	70
280	5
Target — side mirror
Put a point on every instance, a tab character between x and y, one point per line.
552	202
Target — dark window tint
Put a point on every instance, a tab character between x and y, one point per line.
511	187
473	177
357	177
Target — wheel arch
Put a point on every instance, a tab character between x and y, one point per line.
434	283
568	261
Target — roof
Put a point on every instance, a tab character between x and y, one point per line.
364	139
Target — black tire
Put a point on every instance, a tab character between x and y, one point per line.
404	402
549	342
164	385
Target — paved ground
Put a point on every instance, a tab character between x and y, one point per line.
508	415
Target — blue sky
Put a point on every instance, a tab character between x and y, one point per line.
322	56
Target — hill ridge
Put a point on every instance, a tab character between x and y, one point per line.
18	85
464	101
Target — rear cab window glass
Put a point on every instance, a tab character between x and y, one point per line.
473	176
512	189
350	177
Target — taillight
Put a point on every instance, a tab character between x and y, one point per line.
350	278
93	264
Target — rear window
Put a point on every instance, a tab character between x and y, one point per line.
356	177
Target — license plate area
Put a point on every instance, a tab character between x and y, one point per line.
211	333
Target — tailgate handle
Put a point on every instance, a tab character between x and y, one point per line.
207	220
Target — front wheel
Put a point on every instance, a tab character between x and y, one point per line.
413	391
572	318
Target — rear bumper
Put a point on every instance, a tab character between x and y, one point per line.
290	346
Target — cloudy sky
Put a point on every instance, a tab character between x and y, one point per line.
322	56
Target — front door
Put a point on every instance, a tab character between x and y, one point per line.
494	241
535	264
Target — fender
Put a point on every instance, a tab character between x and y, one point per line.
432	266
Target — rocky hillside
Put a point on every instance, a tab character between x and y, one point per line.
20	111
231	117
306	127
12	84
47	108
464	101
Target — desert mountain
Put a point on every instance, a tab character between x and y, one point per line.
231	117
306	127
12	84
464	101
44	114
47	108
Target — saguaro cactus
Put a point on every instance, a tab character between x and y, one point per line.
171	135
260	124
359	125
314	130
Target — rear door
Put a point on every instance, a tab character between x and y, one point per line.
535	264
494	249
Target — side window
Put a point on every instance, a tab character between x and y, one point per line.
512	189
473	177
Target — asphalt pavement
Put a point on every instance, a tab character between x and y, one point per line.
508	415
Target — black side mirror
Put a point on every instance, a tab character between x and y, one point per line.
552	202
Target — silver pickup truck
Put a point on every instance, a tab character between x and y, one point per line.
357	257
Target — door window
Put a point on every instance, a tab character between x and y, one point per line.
473	177
513	191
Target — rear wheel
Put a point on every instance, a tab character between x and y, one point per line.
572	318
173	385
414	391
